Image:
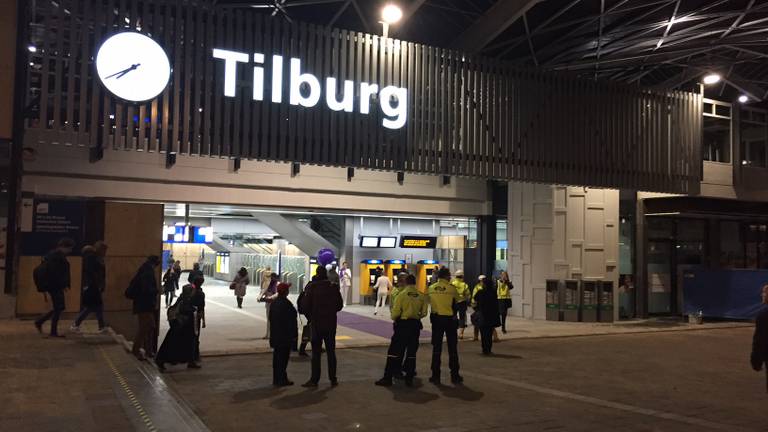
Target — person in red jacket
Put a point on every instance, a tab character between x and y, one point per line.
320	303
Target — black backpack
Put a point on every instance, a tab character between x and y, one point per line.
40	276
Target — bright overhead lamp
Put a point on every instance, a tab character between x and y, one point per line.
32	48
712	79
743	99
391	14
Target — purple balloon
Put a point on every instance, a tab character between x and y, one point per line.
325	256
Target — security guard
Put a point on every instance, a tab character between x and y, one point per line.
401	284
503	286
442	299
461	306
478	287
410	306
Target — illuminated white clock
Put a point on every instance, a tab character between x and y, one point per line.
133	67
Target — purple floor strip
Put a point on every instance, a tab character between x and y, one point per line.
368	325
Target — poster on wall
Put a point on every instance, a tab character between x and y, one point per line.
53	220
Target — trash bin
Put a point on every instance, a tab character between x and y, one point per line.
589	301
570	301
605	299
553	299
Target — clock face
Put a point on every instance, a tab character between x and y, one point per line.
133	67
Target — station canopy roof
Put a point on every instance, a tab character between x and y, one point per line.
667	44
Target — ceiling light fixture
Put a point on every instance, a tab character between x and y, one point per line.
743	99
712	79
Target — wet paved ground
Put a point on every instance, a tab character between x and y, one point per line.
672	381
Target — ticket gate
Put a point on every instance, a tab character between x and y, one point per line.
570	303
605	301
554	295
424	270
367	275
392	268
589	301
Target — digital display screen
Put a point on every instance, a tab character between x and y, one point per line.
370	242
413	242
187	234
387	242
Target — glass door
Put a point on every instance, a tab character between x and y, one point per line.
660	263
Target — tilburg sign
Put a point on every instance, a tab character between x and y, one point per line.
306	90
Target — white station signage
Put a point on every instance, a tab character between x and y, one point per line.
306	90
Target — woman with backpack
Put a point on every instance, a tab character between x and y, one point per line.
186	318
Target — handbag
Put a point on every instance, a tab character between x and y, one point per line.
306	332
232	286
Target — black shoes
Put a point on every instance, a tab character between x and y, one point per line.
193	365
309	384
434	380
384	382
457	379
283	384
334	382
39	327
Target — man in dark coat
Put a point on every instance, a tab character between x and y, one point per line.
194	273
321	301
759	357
57	280
143	290
282	319
94	281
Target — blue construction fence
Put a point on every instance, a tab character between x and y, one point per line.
732	294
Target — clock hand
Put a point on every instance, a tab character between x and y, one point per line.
124	71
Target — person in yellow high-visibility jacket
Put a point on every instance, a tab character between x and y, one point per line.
410	306
442	298
461	306
503	288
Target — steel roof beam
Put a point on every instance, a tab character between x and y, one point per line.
491	24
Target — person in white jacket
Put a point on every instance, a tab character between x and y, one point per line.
345	281
383	286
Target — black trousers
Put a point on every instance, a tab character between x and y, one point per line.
486	339
461	308
403	348
280	355
444	325
57	300
319	338
503	309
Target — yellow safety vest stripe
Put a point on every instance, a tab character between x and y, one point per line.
502	290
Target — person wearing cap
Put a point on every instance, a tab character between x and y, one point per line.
57	280
398	288
473	302
282	317
410	306
442	299
461	306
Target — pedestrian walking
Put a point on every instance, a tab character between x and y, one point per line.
177	275
345	281
503	288
488	318
169	286
53	279
267	295
240	285
194	273
282	315
442	297
759	357
185	318
409	307
322	301
94	282
143	291
461	306
383	286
